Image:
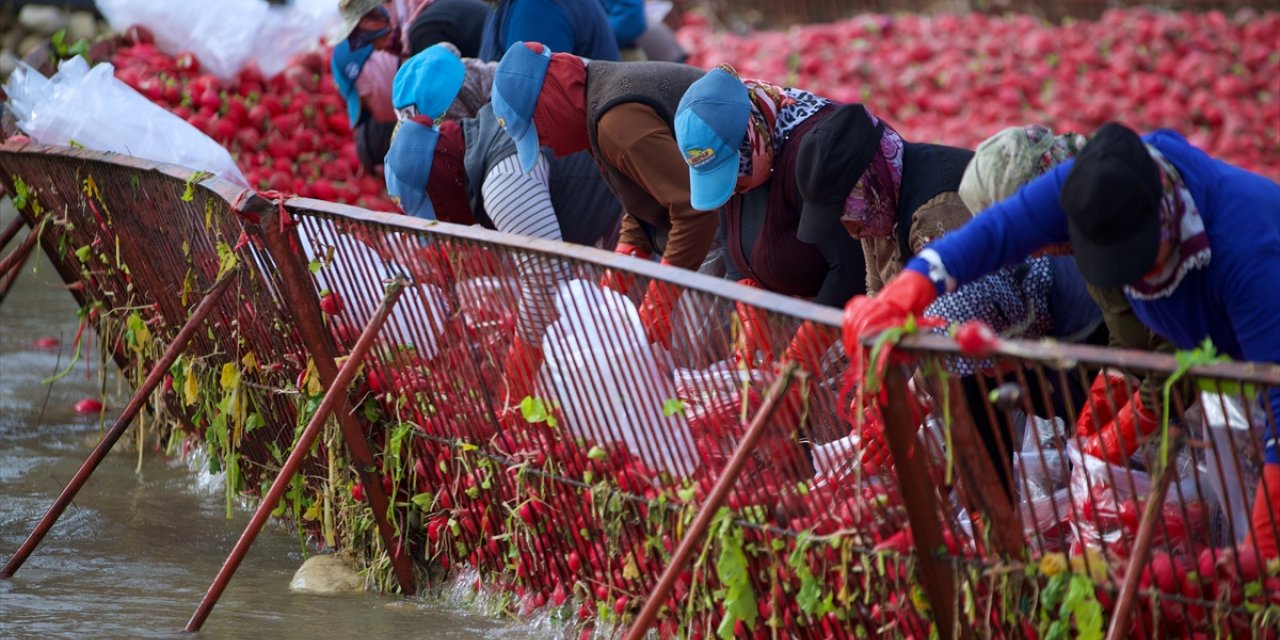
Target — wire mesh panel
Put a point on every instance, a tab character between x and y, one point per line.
140	244
993	499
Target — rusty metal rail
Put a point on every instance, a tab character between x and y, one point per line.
992	520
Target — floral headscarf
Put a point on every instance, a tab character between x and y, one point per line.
1011	158
775	112
1181	226
871	210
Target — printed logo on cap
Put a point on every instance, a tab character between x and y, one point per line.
407	113
502	122
352	70
697	157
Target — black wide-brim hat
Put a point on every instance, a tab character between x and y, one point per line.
1112	201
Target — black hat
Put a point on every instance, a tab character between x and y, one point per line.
833	156
1112	201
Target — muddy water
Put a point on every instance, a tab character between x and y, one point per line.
135	553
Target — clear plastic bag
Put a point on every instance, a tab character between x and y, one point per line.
90	107
226	35
598	346
1109	501
1232	463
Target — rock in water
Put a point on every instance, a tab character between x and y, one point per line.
42	19
326	575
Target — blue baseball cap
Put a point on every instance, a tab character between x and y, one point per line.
711	123
428	82
517	83
408	166
347	65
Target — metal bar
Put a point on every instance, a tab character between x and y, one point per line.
11	231
117	429
920	501
336	392
300	293
998	506
712	504
15	260
6	280
1142	546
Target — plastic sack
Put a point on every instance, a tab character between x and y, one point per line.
1043	498
226	35
97	111
1108	511
1234	439
358	274
598	346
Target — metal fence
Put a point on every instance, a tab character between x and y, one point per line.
984	516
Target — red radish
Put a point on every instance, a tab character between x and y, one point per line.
976	339
331	303
89	405
47	342
357	492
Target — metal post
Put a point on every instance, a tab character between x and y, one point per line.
980	476
11	231
11	266
336	391
920	501
712	504
117	429
1142	546
299	291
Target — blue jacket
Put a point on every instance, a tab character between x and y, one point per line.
1232	301
579	27
627	19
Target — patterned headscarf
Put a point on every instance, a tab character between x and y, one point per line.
871	210
1182	227
1011	158
775	112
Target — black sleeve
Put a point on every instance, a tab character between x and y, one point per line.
847	276
458	21
373	139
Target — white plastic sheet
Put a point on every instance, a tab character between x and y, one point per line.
1231	462
90	107
598	346
226	35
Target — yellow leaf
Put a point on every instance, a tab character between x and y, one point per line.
1052	564
91	188
313	512
250	361
337	362
630	571
230	376
190	392
313	379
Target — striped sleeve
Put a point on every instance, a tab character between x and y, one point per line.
520	203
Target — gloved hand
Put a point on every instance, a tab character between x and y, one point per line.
623	282
1118	439
910	293
1106	396
520	370
755	337
657	309
1266	505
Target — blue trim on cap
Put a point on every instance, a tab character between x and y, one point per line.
347	65
407	168
517	83
430	81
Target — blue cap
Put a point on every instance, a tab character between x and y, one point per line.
711	123
428	82
516	86
347	65
408	166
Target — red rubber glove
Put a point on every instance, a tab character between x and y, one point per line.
809	345
621	281
1106	396
865	316
755	337
521	370
1266	505
1118	439
657	309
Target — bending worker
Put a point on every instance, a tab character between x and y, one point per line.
1194	242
